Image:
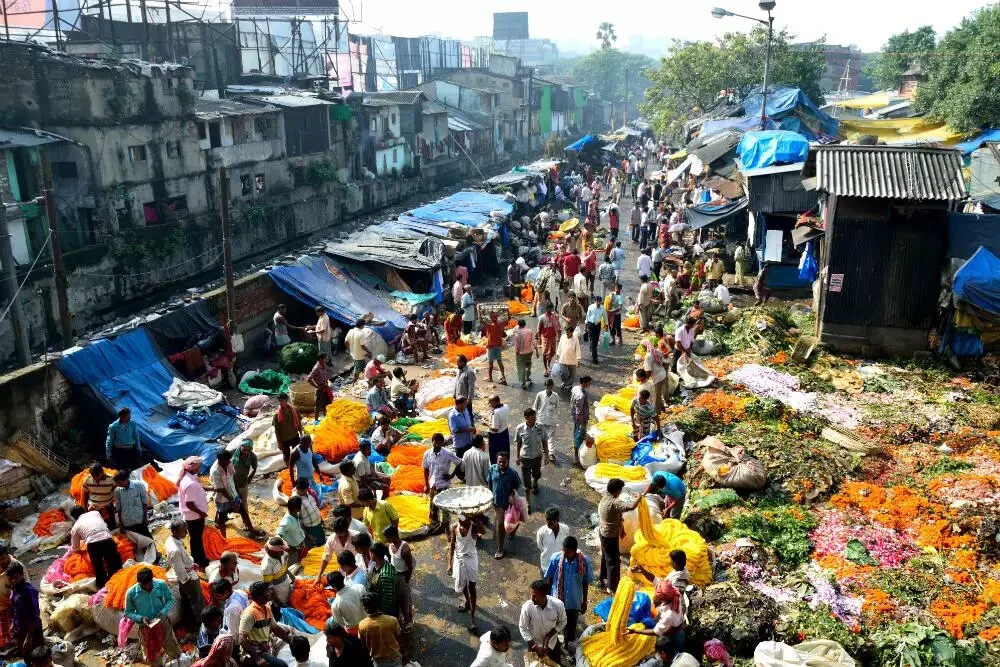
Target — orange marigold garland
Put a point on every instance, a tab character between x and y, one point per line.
334	440
78	565
407	478
440	404
312	600
215	545
124	579
453	350
412	455
158	485
43	528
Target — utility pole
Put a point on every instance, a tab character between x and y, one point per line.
18	323
58	270
625	114
227	251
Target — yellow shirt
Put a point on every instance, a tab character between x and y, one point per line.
380	518
347	491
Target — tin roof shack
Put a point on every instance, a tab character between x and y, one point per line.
886	223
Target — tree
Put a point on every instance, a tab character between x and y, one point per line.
690	78
606	34
963	84
607	71
899	53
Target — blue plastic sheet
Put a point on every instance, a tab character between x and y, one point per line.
641	611
772	147
316	281
582	143
784	101
978	282
294	619
465	208
808	268
128	372
969	146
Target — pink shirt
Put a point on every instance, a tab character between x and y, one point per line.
190	490
524	341
90	527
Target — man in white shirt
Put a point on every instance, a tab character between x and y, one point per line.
493	648
585	196
324	334
476	462
357	348
181	568
580	288
542	620
346	609
644	264
722	294
568	355
684	337
546	406
91	533
232	603
549	537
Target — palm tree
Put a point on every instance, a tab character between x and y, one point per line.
606	33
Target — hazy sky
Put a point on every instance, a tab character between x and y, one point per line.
573	23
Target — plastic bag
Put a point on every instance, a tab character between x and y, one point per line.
515	514
641	611
817	653
693	375
294	619
732	468
606	340
555	370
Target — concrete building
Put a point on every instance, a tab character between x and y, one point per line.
395	120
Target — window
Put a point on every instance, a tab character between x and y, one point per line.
173	149
136	154
258	182
246	185
202	131
267	128
169	83
395	157
156	212
215	134
64	170
298	176
392	119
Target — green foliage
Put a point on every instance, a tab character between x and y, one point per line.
689	78
606	34
801	623
119	98
963	86
298	357
186	97
783	528
700	499
137	249
900	52
604	71
947	465
910	586
916	645
320	172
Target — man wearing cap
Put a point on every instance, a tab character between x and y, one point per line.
244	470
375	369
274	571
194	507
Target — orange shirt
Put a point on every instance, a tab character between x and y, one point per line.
494	333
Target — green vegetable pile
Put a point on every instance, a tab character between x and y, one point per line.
269	382
298	357
783	528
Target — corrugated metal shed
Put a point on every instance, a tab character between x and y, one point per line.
780	193
890	172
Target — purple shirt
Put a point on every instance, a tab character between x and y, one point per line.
25	616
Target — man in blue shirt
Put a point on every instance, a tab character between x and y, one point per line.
503	482
460	425
569	575
148	603
122	444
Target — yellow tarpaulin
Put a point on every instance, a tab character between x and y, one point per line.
900	130
873	101
682	153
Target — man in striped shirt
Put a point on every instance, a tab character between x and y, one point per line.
383	581
98	492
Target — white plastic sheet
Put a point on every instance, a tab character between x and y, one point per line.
186	395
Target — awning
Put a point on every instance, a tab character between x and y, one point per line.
582	143
400	249
707	215
317	281
128	372
682	153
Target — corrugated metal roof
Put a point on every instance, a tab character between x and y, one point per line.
393	98
27	138
293	101
890	172
207	109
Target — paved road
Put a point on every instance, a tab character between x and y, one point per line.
440	636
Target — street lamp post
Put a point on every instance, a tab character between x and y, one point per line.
767	6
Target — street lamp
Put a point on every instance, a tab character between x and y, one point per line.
765	6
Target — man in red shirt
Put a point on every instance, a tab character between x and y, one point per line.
548	335
571	266
495	331
613	222
590	268
524	346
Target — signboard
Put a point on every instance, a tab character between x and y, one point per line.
286	8
836	282
510	25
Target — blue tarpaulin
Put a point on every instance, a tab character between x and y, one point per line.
466	208
978	282
772	147
743	124
972	144
784	101
968	231
316	281
585	141
128	372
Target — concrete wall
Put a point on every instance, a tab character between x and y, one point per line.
36	400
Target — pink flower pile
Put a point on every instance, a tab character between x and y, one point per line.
836	529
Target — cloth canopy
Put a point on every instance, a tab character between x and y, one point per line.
900	131
978	282
582	143
467	208
128	372
713	214
772	147
316	281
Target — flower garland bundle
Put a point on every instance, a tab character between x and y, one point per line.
158	485
312	600
124	579
43	527
412	455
